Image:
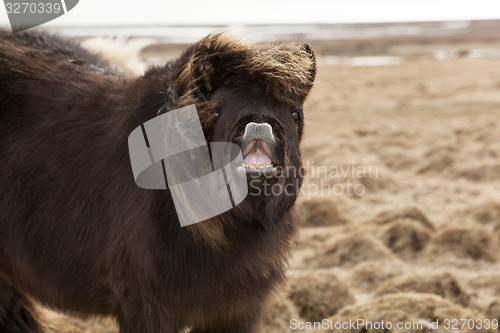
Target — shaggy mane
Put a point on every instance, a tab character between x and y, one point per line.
286	71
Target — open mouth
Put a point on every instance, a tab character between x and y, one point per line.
257	155
259	149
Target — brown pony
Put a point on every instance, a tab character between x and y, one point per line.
79	236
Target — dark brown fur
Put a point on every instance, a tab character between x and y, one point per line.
78	235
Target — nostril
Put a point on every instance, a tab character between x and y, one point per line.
258	131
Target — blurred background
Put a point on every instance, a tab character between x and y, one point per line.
400	212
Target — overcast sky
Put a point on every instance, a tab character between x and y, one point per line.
164	12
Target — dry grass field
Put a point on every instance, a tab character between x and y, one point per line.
420	239
400	212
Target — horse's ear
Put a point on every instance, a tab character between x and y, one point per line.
208	67
312	70
202	72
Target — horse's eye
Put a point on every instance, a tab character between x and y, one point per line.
216	115
296	115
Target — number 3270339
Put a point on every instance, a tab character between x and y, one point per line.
33	8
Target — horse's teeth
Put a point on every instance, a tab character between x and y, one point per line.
255	166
